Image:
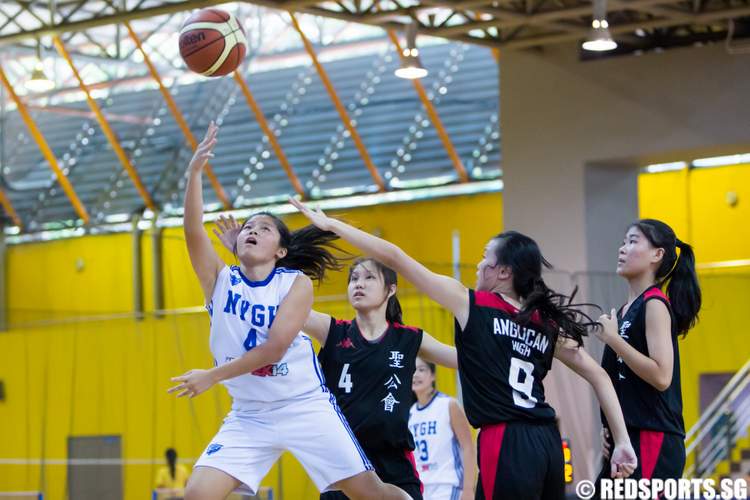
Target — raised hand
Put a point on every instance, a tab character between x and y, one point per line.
316	217
204	151
608	329
229	230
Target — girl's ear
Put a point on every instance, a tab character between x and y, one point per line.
504	272
657	255
281	253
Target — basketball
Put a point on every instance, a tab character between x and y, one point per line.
212	42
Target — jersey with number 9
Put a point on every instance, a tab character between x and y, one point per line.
502	363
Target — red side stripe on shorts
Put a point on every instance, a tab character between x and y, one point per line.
651	442
490	442
410	457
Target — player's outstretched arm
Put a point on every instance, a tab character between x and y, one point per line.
444	290
434	351
292	314
462	431
206	262
624	460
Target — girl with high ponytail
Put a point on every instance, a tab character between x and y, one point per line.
641	354
507	332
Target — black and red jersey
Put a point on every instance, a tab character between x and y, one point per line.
372	381
502	363
644	406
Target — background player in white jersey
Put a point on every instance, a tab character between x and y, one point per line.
280	402
445	451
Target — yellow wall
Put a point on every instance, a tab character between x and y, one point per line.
694	204
76	378
98	377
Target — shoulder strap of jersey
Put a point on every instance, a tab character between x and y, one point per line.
336	330
225	274
655	293
405	328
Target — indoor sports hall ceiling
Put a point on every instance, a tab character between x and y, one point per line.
352	40
635	24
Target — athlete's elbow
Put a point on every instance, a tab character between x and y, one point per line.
275	352
662	382
389	255
596	375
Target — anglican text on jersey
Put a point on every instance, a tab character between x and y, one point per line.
526	338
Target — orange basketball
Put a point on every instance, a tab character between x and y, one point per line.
212	42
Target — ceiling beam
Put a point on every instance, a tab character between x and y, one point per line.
516	19
386	25
686	18
119	17
497	13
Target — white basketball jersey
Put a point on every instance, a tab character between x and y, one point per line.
242	312
437	452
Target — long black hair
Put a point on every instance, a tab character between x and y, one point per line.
558	314
307	249
393	313
677	271
171	455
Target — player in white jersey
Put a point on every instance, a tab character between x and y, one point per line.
280	402
444	447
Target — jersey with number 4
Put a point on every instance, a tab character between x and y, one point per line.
242	312
372	381
502	363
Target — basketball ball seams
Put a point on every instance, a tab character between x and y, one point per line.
219	16
232	61
222	28
197	43
203	46
223	57
211	43
225	28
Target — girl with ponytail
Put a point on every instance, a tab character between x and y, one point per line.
641	354
368	364
507	332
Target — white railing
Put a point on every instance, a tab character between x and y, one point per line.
725	421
